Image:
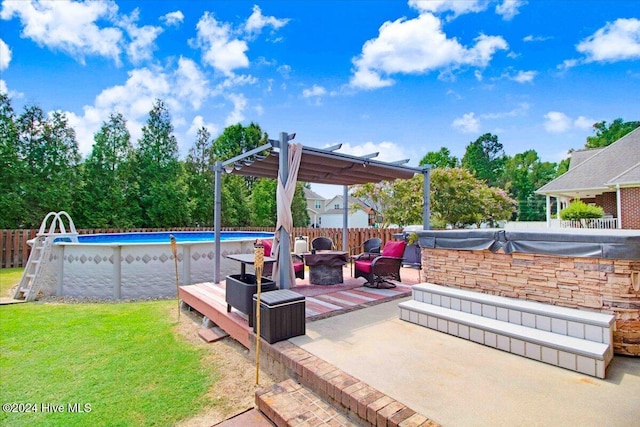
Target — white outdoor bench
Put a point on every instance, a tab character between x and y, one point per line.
573	339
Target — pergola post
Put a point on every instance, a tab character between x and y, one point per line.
345	217
285	248
217	212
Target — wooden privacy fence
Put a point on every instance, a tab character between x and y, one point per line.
15	250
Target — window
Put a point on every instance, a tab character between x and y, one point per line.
336	206
318	204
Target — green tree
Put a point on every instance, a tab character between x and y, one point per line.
299	207
200	179
485	159
163	194
440	159
606	135
235	210
406	202
110	192
49	152
523	174
11	168
263	202
237	139
459	199
378	195
237	190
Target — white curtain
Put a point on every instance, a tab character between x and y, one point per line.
284	198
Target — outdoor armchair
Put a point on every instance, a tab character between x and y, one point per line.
297	261
367	250
322	244
380	269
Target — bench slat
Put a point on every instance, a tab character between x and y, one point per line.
554	311
548	339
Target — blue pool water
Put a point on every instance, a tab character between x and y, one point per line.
163	237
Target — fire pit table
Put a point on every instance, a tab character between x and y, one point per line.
325	267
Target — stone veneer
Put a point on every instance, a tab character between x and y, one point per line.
584	283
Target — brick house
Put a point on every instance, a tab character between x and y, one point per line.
608	177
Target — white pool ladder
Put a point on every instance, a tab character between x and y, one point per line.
40	256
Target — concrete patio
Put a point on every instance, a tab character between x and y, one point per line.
457	382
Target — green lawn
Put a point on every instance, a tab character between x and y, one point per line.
8	278
124	361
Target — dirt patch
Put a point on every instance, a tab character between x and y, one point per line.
232	366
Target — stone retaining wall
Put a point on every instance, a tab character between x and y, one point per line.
583	283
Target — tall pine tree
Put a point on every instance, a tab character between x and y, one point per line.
163	194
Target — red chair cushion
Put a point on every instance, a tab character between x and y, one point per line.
364	266
394	249
298	266
267	247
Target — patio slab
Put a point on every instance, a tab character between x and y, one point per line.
460	383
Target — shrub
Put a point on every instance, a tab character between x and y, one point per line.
580	210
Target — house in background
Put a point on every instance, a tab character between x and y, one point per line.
608	177
315	206
325	213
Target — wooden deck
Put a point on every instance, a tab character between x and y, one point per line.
321	301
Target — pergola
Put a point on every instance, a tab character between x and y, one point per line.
321	166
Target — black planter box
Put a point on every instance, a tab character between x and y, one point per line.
281	315
240	289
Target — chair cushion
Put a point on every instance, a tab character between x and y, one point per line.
363	266
298	266
394	249
267	247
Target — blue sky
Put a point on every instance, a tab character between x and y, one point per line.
397	77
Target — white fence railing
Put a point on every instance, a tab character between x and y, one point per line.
599	223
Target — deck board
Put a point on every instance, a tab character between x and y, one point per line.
321	301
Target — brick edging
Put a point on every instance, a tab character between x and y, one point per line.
358	400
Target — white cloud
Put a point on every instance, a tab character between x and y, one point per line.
173	19
221	49
183	89
70	27
3	87
417	46
468	123
388	151
143	38
257	21
521	110
456	6
5	55
197	123
557	122
617	41
532	38
314	91
584	123
568	63
239	105
191	83
509	8
524	76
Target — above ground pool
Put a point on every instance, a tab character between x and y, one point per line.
138	265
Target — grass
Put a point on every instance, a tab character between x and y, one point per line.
9	277
123	360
